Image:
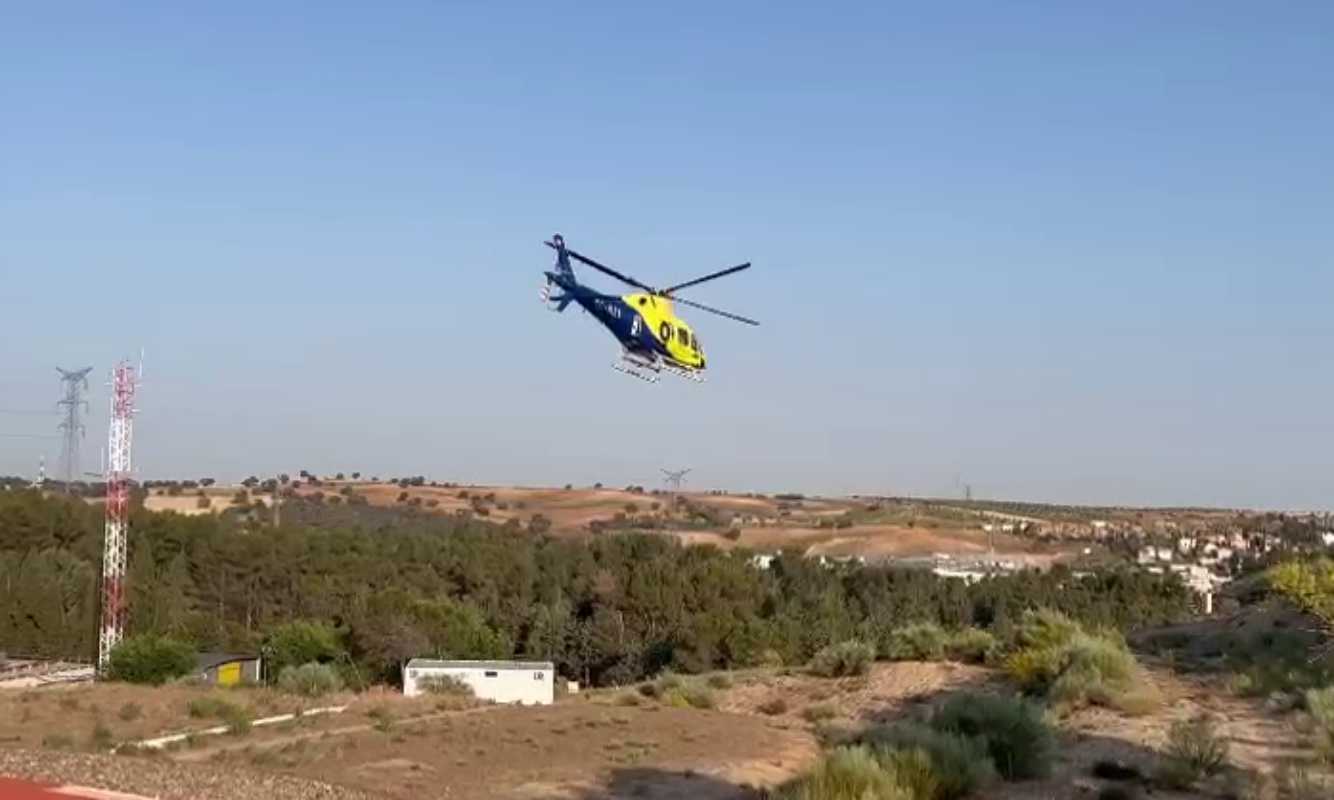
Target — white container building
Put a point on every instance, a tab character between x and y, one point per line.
522	682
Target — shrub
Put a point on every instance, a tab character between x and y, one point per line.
1117	793
921	641
1072	668
846	658
971	646
687	696
57	741
1094	671
237	718
101	737
1046	628
720	680
961	764
130	712
382	717
1194	751
848	773
210	706
1320	703
295	643
773	707
150	659
445	684
659	686
913	772
819	712
310	680
1019	741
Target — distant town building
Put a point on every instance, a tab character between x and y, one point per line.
520	682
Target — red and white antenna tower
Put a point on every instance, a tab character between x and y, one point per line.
124	380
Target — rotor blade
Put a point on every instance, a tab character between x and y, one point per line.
583	259
712	276
703	307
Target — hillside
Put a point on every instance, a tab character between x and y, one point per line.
817	526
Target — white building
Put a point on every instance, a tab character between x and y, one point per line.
522	682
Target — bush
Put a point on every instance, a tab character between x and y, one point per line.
1320	704
913	772
1058	659
310	680
150	659
848	773
1194	751
921	641
130	712
1046	628
101	737
971	646
846	658
210	706
773	707
720	680
659	686
819	712
1094	672
687	696
296	643
1017	738
962	765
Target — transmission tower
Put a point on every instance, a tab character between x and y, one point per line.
124	381
674	479
76	383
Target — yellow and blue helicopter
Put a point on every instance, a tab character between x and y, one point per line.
653	339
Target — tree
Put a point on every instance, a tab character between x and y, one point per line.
1309	585
150	659
301	642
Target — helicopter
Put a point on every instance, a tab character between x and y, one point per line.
653	338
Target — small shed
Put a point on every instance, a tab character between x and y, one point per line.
227	669
522	682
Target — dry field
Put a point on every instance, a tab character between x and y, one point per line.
764	523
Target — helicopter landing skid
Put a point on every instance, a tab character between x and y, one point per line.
649	370
634	372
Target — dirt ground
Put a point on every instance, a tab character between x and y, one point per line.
617	744
574	749
70	716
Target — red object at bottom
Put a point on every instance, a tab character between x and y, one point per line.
14	789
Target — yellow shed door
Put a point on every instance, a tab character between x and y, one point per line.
229	674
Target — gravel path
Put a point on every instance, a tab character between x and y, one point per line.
164	779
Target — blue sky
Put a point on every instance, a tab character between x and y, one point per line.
1057	252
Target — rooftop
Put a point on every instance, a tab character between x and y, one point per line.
420	663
